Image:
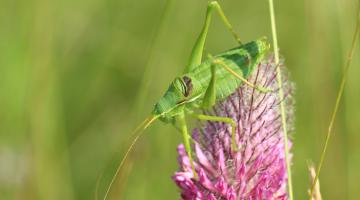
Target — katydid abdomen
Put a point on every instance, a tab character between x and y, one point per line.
242	60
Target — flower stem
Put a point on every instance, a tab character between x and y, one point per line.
281	96
338	99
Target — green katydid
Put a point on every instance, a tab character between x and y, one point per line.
204	82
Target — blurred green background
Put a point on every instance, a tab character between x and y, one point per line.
77	76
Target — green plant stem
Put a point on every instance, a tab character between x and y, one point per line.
338	99
281	96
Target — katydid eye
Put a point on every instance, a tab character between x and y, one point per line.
183	85
180	85
188	85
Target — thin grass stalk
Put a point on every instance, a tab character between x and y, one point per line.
281	96
338	100
317	193
145	81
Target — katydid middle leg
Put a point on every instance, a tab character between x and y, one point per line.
209	101
227	120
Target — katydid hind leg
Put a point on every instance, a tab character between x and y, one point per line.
243	79
197	51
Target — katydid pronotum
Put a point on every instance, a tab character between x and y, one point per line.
203	83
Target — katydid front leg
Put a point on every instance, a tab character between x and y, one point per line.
186	137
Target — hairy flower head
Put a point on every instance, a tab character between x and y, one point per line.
257	170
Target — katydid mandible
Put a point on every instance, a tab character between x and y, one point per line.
203	83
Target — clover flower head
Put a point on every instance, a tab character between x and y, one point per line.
257	170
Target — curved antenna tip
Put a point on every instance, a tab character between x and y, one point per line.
137	133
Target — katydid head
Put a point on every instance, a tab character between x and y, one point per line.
172	102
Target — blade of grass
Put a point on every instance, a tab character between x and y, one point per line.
338	99
144	85
281	95
146	78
